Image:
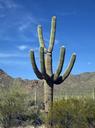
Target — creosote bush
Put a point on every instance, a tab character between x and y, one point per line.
73	113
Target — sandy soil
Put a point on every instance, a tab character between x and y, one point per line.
31	127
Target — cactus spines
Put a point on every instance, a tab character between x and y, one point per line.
46	72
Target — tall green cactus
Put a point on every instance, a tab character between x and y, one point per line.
46	72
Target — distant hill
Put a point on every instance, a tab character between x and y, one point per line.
6	80
81	85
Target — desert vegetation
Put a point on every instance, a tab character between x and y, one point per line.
17	109
73	113
16	106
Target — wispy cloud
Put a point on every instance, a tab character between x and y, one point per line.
23	31
22	47
24	26
12	62
10	55
4	55
28	21
18	24
9	4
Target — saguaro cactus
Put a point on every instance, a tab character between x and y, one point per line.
46	72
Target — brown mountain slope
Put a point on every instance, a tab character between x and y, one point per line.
82	84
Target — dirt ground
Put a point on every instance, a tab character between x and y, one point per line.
42	126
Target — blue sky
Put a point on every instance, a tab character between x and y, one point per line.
18	25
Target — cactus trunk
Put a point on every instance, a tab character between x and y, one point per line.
48	64
48	96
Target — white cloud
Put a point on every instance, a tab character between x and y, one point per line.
23	47
5	55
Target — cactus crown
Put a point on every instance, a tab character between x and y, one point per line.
46	58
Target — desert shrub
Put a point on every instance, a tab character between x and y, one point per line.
17	106
73	113
12	104
90	112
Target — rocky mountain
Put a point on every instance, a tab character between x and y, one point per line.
6	80
78	85
81	85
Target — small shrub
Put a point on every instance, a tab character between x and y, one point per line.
73	113
12	104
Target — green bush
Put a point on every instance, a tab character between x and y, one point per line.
12	103
73	113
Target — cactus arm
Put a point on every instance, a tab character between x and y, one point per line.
33	62
51	44
69	67
40	36
61	62
68	70
42	61
52	35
